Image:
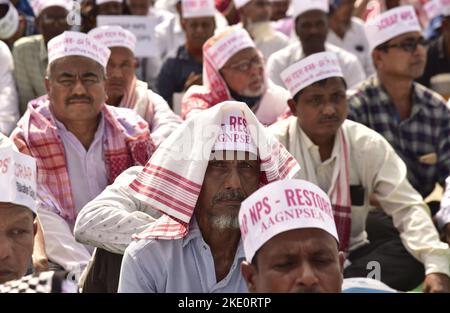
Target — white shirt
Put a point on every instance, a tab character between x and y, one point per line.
376	167
280	60
355	42
443	215
9	101
88	177
182	265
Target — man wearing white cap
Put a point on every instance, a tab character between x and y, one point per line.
414	119
30	53
195	182
255	18
9	103
285	226
80	144
352	162
311	27
125	90
281	19
347	32
185	68
438	55
233	68
14	24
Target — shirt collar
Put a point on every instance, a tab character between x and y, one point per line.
304	139
98	133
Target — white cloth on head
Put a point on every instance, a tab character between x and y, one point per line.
282	206
390	24
9	23
98	2
240	3
72	43
279	61
309	70
197	8
114	36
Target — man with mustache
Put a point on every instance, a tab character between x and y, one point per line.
311	27
123	88
233	68
185	68
80	144
195	181
414	119
352	162
255	18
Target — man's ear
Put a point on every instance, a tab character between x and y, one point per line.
35	227
341	256
377	58
249	273
293	106
183	24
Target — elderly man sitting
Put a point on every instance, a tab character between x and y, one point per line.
125	90
234	69
80	144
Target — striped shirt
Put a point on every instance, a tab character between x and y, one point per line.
422	140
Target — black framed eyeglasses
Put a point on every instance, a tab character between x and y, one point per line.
408	45
244	66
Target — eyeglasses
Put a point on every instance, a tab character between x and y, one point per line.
409	45
244	66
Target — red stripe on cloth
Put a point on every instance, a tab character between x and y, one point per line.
173	174
174	182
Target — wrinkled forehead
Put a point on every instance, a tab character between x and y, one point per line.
11	212
406	36
231	155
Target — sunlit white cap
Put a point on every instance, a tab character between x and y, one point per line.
114	36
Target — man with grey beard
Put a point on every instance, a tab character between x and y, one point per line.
195	182
255	18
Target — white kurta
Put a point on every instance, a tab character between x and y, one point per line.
379	170
355	42
9	101
279	61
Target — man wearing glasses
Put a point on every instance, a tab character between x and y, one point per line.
233	68
414	119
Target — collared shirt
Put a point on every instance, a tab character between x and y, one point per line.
9	106
30	66
438	61
174	73
86	168
282	59
376	167
355	42
422	140
183	265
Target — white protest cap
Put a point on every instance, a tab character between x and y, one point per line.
40	5
234	133
197	8
222	46
301	6
282	206
240	3
390	24
10	22
98	2
309	70
432	8
17	176
72	43
114	36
